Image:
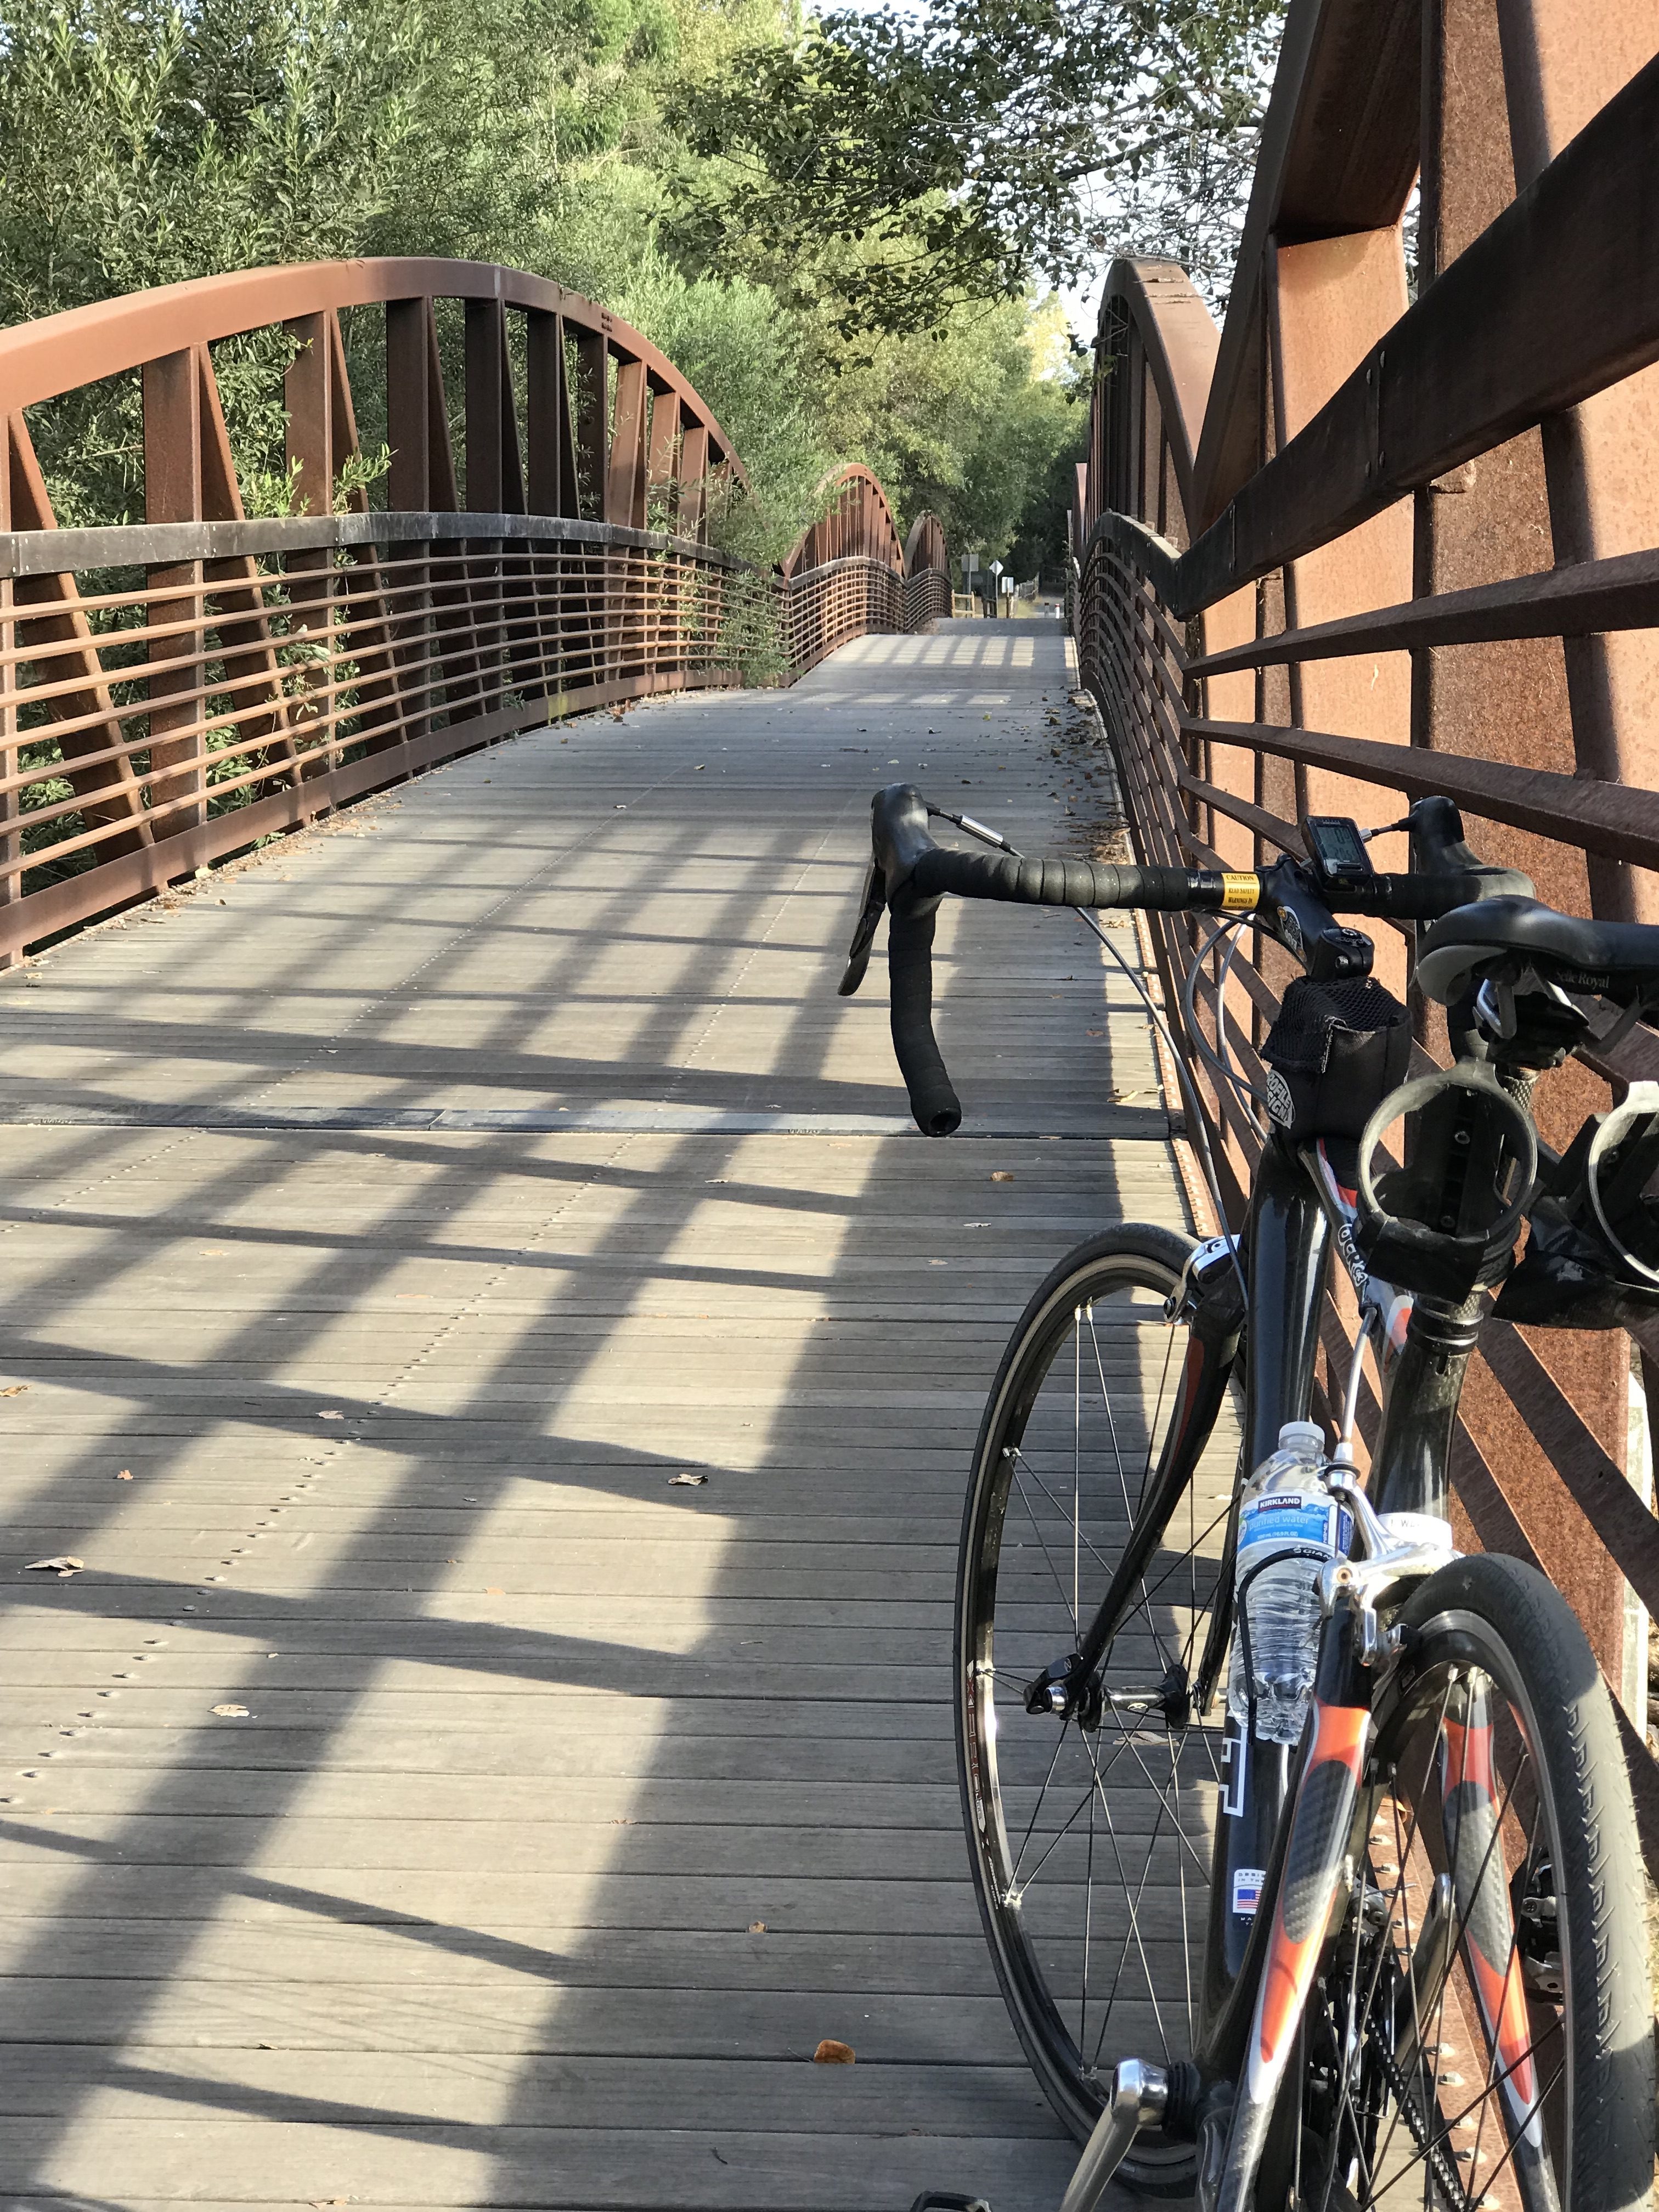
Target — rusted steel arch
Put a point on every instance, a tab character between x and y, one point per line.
857	524
1423	554
262	670
41	360
1150	315
847	575
1339	153
924	548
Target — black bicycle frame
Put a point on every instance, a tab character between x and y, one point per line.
1300	1210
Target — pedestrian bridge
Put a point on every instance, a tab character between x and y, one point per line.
497	1363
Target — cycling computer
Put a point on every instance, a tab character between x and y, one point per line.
1337	849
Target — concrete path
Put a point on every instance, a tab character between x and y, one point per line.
419	1798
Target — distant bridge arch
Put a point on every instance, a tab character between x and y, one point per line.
863	578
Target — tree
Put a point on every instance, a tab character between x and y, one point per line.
890	166
144	141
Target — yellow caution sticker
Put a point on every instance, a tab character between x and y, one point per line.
1239	893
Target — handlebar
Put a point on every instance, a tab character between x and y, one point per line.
910	873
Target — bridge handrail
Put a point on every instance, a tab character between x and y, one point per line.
1316	578
171	690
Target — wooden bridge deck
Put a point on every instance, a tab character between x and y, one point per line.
415	1799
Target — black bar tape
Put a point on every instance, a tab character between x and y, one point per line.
1064	883
1413	898
936	1109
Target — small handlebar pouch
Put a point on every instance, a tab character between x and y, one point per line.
1333	1054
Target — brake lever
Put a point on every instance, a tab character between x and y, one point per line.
864	932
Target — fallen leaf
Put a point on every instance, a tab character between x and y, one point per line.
233	1712
125	1475
64	1564
1002	1174
686	1480
330	1415
757	1927
14	1390
829	2052
494	1590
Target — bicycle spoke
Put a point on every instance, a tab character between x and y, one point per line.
1095	1871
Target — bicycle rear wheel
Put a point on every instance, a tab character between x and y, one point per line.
1484	2034
1090	1837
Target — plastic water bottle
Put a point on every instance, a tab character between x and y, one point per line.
1288	1527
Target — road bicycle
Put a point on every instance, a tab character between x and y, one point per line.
1395	1952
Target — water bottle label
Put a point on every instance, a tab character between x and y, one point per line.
1293	1518
1247	1883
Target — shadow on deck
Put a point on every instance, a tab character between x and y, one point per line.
461	1191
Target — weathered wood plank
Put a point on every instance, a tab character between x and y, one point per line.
462	1913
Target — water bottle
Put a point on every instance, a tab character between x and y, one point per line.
1288	1527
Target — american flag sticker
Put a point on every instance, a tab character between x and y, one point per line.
1247	1889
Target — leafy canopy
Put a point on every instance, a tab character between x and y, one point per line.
893	164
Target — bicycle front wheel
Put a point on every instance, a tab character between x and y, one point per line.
1484	2035
1091	1837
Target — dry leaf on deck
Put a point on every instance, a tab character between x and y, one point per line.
686	1480
757	1927
331	1414
14	1390
64	1564
124	1475
831	2053
233	1712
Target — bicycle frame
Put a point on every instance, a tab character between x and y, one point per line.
1300	1211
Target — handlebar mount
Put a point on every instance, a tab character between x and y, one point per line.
909	873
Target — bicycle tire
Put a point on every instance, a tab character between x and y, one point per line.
1017	1611
1500	1809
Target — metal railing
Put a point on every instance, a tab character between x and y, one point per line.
174	688
1313	578
848	575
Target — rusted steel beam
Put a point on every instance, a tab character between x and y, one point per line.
624	484
49	617
1339	148
322	436
1558	299
57	354
493	474
1620	593
550	432
37	552
663	480
593	411
1620	822
174	493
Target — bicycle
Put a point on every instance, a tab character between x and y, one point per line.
1400	1957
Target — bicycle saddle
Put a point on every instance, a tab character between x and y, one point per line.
1620	958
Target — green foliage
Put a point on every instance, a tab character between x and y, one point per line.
958	422
889	165
751	365
144	141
